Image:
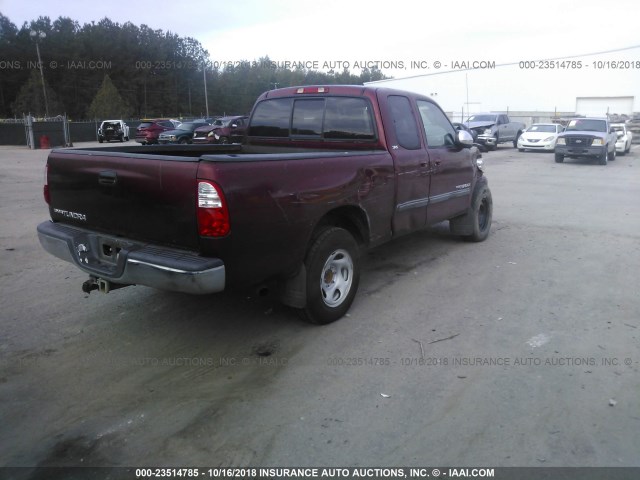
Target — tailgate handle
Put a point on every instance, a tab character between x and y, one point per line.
108	177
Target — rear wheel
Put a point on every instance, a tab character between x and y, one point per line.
333	274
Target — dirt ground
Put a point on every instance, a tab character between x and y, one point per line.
520	351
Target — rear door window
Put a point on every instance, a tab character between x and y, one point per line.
404	122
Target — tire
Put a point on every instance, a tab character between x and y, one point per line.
224	141
604	157
495	145
628	149
183	141
121	138
126	139
515	141
612	155
559	158
100	140
521	149
475	225
333	275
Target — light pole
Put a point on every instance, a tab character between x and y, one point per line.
39	35
206	98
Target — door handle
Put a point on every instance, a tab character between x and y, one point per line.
108	178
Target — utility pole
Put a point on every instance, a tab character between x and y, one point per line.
206	98
36	34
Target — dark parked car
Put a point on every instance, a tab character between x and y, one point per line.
223	130
149	130
182	134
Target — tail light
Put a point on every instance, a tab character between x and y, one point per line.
213	215
47	196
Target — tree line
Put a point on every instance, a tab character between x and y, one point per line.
106	69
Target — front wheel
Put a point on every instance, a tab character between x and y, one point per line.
474	226
603	157
224	141
515	141
333	275
612	155
559	158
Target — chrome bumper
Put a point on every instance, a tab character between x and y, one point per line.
128	262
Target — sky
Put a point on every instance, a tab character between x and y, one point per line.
403	34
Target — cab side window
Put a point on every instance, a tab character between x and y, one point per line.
437	128
404	122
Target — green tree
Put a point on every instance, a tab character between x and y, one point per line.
108	103
30	99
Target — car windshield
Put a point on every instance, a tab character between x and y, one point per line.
482	118
542	128
145	125
618	128
587	125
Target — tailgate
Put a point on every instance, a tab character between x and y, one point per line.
143	197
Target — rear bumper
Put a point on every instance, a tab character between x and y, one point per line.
128	262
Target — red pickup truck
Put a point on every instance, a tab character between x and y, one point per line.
323	172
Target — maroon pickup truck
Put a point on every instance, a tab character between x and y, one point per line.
323	173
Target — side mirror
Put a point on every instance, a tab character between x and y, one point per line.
465	139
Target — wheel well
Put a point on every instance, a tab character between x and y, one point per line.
351	218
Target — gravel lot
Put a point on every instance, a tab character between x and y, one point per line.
519	351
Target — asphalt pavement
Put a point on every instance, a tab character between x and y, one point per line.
519	351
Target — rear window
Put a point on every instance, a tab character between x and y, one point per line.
145	125
271	118
333	118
